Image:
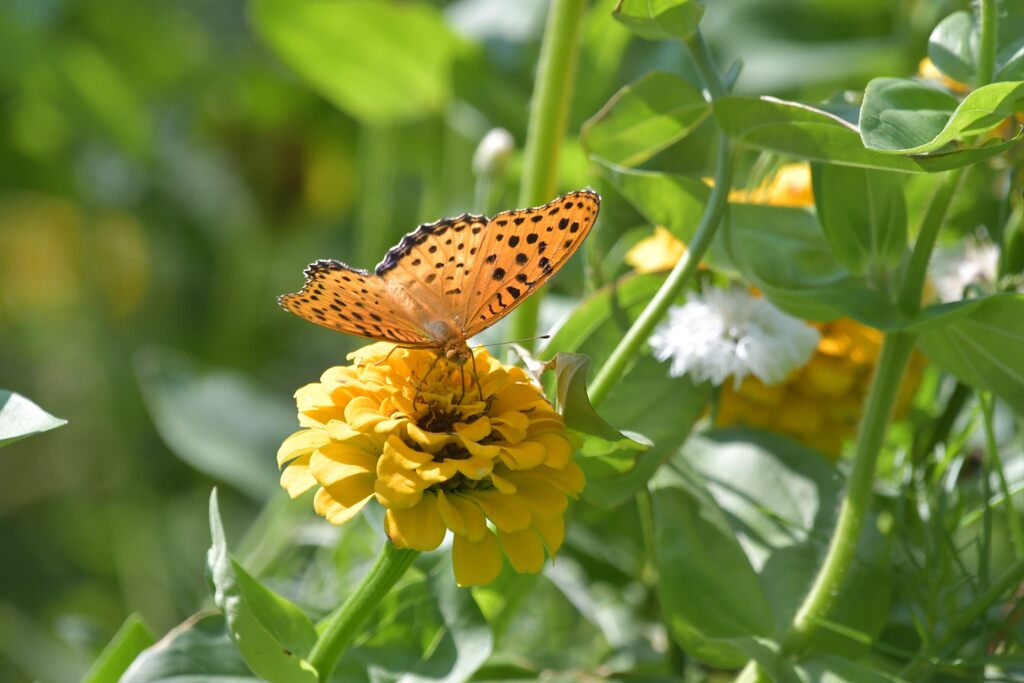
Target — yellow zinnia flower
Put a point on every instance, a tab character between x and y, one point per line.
656	253
927	71
476	450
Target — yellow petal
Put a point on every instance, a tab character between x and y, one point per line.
502	484
656	253
463	516
523	455
556	448
515	398
512	425
509	513
404	456
524	549
476	562
552	530
543	498
334	462
427	439
420	527
473	431
300	443
341	502
296	478
363	413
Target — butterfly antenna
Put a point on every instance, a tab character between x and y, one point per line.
517	341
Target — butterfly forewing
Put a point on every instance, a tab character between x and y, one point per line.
354	302
520	251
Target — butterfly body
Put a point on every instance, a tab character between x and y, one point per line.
449	280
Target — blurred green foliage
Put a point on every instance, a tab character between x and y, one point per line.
164	175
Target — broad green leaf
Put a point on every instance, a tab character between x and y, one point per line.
272	634
644	118
982	346
198	651
378	61
660	19
603	452
708	589
803	131
132	638
825	668
903	116
783	252
674	202
20	417
662	408
218	421
953	46
780	499
864	216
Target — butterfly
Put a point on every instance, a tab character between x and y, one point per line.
447	281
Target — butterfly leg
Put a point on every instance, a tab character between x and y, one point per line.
384	360
476	377
423	379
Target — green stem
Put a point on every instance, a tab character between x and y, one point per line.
377	160
338	629
630	344
855	507
917	267
987	43
549	114
994	462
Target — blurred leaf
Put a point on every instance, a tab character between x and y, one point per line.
953	46
674	202
272	634
198	651
660	19
707	587
423	631
20	417
863	214
803	131
604	452
781	499
644	118
662	408
218	421
903	116
378	61
132	638
825	668
982	345
33	649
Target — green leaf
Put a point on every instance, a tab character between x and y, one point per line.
902	116
981	345
604	452
780	499
272	634
953	46
864	216
198	651
824	668
380	62
132	638
218	421
644	118
803	131
20	417
659	19
708	589
674	202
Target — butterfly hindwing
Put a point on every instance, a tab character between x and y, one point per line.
521	250
354	302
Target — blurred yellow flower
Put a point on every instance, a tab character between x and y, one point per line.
927	71
820	404
656	253
790	186
489	461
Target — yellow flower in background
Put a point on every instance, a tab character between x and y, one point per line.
820	404
656	253
927	71
488	461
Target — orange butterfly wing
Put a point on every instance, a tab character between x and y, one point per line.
354	302
520	251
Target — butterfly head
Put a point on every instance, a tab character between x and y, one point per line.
457	351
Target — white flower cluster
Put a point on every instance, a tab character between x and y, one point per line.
728	332
974	262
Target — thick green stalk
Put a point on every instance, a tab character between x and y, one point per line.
857	503
338	629
987	43
613	368
549	114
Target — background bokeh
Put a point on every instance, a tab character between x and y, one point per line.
163	176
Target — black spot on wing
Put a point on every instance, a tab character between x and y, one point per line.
420	235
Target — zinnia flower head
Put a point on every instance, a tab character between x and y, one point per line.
476	450
726	333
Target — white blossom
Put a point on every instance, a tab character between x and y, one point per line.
493	152
729	332
974	262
